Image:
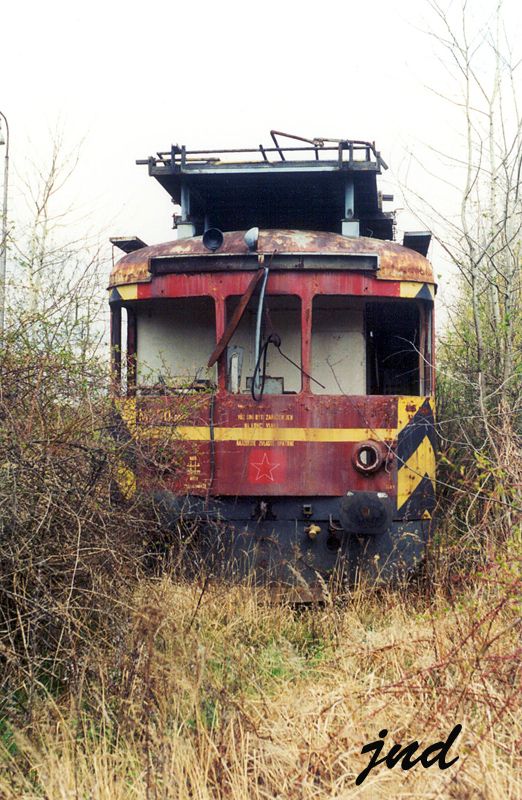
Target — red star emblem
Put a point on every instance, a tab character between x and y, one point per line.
264	469
266	465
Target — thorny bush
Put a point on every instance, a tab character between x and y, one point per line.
67	553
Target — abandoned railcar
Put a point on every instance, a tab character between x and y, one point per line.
281	353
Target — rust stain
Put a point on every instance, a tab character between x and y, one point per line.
396	262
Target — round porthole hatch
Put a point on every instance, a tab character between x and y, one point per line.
368	457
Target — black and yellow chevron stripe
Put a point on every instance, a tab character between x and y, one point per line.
416	447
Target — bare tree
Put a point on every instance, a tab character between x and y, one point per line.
56	291
67	552
484	240
480	351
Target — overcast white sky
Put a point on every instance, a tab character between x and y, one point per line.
131	78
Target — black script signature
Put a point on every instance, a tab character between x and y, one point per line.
431	754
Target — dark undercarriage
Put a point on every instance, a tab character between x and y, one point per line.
295	542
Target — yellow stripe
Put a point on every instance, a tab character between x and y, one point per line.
411	288
196	433
202	434
127	410
128	292
126	480
406	409
407	406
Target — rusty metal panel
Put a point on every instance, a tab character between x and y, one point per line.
395	262
282	446
222	285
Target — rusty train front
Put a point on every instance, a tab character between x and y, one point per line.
279	365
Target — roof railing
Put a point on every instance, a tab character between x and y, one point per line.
179	156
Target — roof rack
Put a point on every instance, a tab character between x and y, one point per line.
348	152
320	184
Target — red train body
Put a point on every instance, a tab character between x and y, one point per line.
307	447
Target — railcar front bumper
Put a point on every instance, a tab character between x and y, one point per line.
295	542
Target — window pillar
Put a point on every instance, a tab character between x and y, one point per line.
116	347
132	343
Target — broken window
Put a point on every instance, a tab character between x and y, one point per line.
338	349
395	348
174	339
281	321
370	348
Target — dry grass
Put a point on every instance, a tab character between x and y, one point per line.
117	685
218	693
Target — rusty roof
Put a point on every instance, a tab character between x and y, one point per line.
395	261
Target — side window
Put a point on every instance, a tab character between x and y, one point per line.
338	351
393	344
281	318
175	337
